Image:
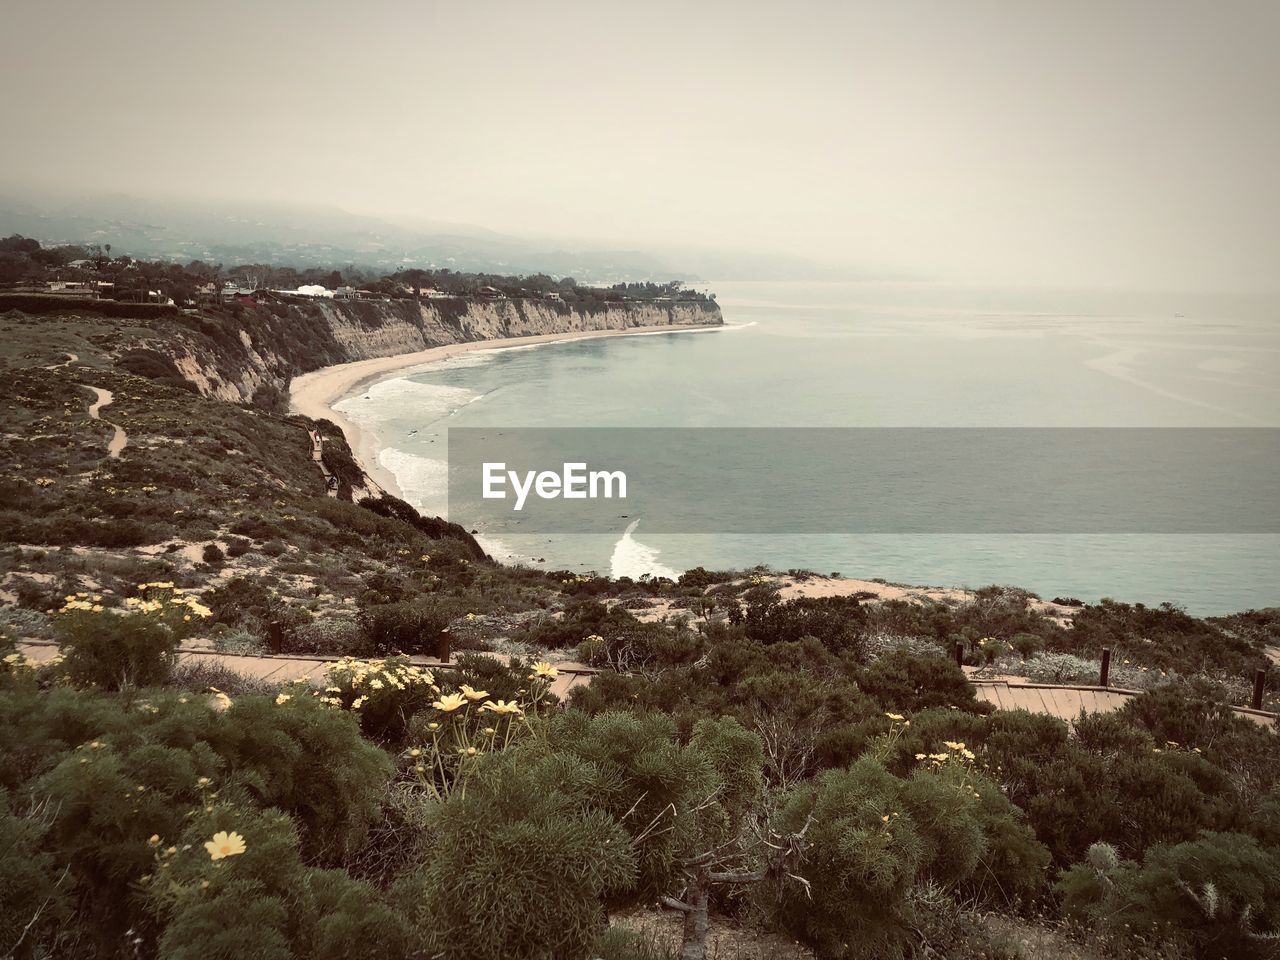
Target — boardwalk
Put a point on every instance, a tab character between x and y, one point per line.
1067	702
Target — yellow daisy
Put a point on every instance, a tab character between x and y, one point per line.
225	844
450	702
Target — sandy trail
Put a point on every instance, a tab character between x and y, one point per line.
119	438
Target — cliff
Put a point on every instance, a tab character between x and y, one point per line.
238	352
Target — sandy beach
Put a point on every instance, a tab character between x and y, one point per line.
314	394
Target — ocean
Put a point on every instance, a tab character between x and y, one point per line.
878	355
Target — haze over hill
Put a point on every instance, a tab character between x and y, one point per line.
1133	145
311	236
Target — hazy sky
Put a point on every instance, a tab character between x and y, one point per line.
1119	142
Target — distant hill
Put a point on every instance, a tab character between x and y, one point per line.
309	236
329	237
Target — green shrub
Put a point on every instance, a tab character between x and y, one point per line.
1026	645
836	622
520	863
308	759
384	694
112	651
1062	668
1218	895
263	901
411	627
872	837
908	682
655	785
35	906
863	857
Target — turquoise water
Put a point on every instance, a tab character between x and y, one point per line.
880	355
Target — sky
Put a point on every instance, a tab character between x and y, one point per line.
1121	143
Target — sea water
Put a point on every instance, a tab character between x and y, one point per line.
878	354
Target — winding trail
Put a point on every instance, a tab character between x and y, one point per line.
71	358
284	668
103	399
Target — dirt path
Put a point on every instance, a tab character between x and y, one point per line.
283	669
119	438
71	358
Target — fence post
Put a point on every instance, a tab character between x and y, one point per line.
442	646
1104	678
959	654
275	636
1259	684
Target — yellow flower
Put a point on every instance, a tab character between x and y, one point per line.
895	717
543	671
502	706
154	840
952	745
472	694
225	844
221	701
450	702
282	699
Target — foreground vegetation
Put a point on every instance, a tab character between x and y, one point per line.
818	768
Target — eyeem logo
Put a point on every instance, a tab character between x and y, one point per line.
573	483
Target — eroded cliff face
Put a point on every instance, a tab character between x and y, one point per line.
257	347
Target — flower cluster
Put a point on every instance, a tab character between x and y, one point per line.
956	752
22	661
91	603
354	683
469	724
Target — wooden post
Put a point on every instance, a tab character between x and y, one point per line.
1259	684
275	636
1104	677
959	654
442	646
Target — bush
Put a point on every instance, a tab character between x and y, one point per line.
520	863
836	622
872	837
113	651
1218	895
908	682
1062	668
863	857
35	906
212	553
384	694
335	636
262	902
412	627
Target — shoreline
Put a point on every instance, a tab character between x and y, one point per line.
314	394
